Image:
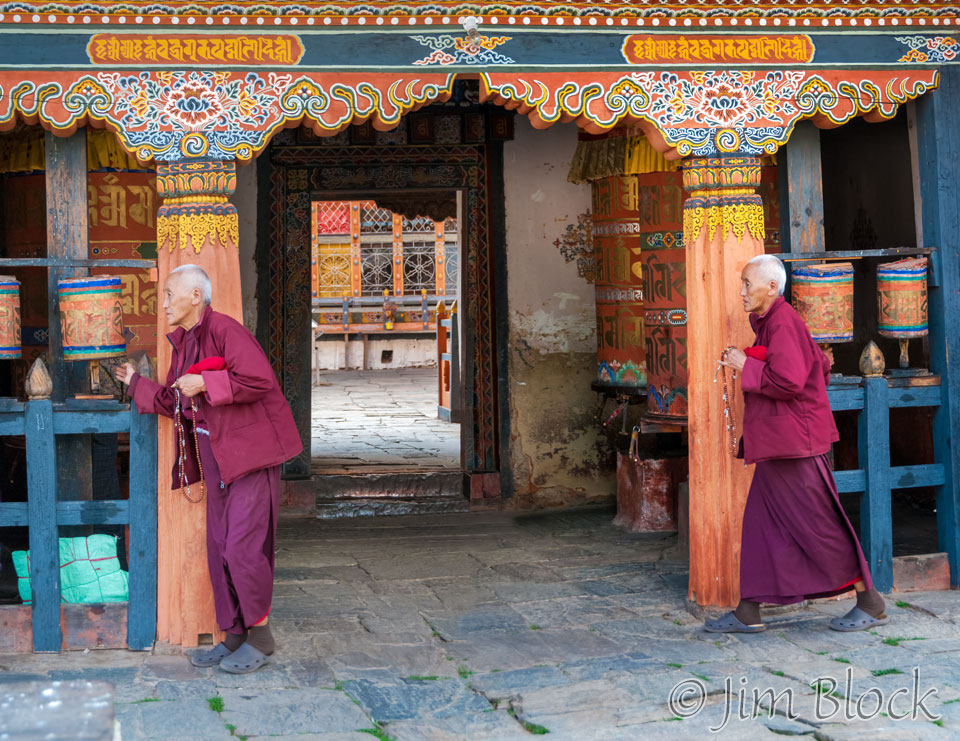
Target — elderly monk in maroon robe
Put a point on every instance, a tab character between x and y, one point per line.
797	542
235	430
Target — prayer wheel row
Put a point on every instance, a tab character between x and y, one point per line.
91	317
823	296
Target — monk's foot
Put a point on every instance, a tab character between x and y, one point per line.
260	637
856	620
871	603
210	657
233	641
729	623
748	612
244	660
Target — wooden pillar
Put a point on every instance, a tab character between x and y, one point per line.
67	239
804	195
938	151
195	225
397	255
723	229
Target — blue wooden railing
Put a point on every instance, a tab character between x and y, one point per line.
40	421
876	478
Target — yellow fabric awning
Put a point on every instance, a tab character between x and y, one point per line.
622	155
24	151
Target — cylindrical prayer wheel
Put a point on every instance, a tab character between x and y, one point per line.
619	284
902	298
91	317
823	297
664	294
10	345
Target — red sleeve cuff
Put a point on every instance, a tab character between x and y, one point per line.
752	374
219	391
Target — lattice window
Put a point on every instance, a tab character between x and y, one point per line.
333	269
375	220
451	267
376	268
419	225
450	226
419	267
333	217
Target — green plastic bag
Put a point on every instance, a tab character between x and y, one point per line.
89	571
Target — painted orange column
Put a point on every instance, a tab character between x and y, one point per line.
195	225
723	229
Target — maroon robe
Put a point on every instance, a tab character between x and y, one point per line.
245	431
797	542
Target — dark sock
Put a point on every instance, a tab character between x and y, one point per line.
233	641
260	637
871	602
748	612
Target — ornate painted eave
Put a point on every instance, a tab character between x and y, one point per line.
598	13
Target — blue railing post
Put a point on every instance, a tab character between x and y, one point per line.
873	447
142	605
42	518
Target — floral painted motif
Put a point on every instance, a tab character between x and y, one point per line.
708	112
929	48
458	50
576	245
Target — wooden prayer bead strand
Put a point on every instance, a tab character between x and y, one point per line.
181	434
729	419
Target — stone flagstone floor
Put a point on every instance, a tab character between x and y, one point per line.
381	420
496	625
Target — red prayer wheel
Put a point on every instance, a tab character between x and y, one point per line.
617	243
823	297
10	341
91	317
902	298
664	294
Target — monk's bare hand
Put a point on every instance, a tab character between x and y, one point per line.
124	373
190	385
733	358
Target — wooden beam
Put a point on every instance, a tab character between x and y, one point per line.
938	151
67	239
805	189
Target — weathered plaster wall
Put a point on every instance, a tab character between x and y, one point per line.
406	353
559	456
245	199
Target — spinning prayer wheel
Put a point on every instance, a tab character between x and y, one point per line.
10	344
823	297
91	320
619	285
902	302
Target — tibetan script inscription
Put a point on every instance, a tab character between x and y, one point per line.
690	49
106	48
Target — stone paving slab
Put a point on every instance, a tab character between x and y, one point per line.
469	626
381	419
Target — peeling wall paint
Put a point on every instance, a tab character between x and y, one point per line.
559	455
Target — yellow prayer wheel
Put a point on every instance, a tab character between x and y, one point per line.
10	344
91	317
823	297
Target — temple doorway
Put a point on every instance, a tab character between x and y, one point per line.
363	238
384	292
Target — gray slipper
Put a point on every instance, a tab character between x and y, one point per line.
244	660
857	619
210	657
729	624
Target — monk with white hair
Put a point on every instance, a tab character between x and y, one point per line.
234	429
797	543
